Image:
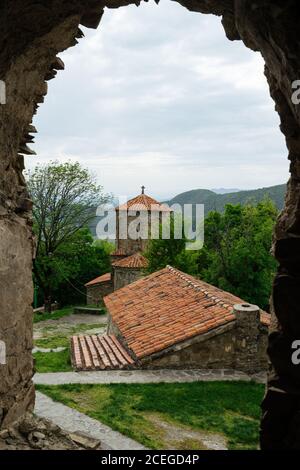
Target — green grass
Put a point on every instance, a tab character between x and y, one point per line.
229	408
58	361
56	341
57	314
38	317
53	342
82	327
53	361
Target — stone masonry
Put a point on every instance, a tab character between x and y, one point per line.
124	276
240	346
96	292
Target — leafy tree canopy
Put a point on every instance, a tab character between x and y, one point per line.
162	252
64	196
236	254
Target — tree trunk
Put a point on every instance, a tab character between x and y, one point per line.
48	301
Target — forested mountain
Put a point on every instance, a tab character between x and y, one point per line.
213	201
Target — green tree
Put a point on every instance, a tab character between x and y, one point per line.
162	252
81	259
236	254
64	200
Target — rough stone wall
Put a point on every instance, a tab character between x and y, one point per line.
250	339
273	29
32	32
220	352
95	293
16	389
240	345
124	276
129	245
112	329
227	350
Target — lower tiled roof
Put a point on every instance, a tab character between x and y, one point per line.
134	261
168	307
93	352
98	280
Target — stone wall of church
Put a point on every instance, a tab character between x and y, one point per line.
220	352
124	276
128	243
242	348
96	292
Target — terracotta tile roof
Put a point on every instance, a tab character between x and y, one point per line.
119	252
93	352
168	307
104	278
136	260
231	299
142	202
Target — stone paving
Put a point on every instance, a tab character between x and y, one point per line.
143	376
73	421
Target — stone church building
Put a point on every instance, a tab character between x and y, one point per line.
168	319
171	319
127	262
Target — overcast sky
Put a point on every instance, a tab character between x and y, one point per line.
158	96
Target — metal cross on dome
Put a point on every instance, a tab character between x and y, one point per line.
143	189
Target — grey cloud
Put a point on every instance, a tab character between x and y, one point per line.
159	89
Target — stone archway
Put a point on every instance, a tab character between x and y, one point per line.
32	33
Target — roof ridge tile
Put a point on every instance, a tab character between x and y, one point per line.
198	288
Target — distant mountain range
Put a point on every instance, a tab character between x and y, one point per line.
225	190
216	202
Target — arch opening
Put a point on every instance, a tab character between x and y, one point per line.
26	61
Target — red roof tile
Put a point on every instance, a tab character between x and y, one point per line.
104	278
93	352
168	307
134	261
142	202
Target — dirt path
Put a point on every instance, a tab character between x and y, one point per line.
177	437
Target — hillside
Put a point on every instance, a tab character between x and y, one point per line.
214	201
